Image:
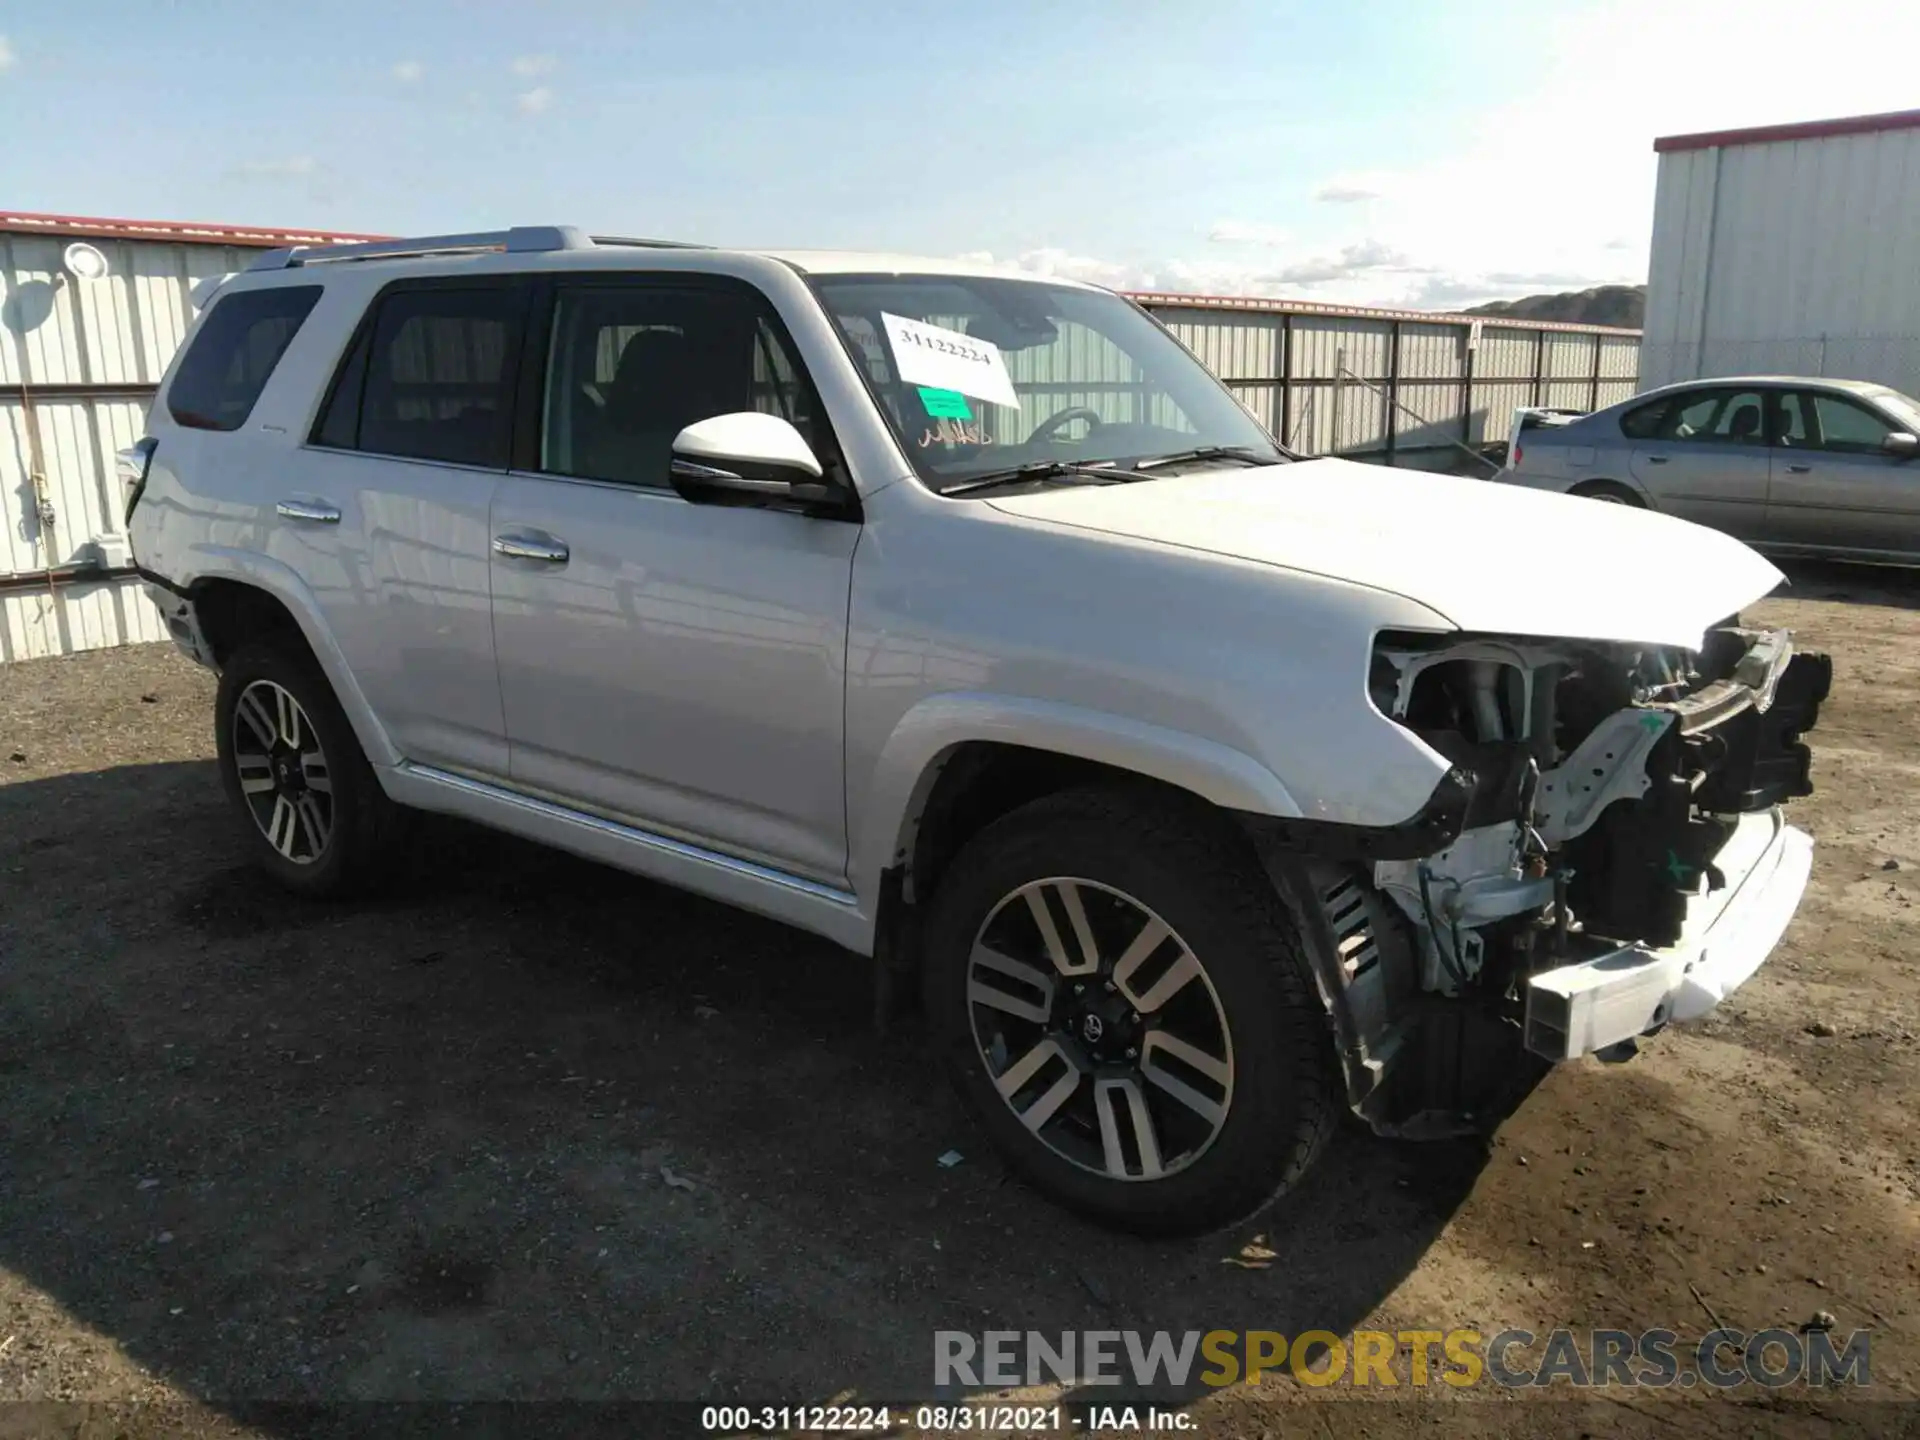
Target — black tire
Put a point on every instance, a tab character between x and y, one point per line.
1186	866
364	827
1610	492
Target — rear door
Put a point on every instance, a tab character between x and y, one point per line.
1835	487
385	511
1703	456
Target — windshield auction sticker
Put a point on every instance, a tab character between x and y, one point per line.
941	359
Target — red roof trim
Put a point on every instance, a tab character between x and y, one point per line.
191	232
1806	130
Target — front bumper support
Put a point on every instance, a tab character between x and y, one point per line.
1596	1003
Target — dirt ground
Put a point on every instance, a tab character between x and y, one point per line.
531	1129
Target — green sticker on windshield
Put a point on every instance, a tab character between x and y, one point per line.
945	404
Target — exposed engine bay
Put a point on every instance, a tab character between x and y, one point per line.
1603	799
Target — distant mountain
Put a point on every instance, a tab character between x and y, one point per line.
1622	305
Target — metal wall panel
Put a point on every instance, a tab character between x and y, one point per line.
1787	257
1493	407
1433	352
120	330
1436	403
1234	347
1619	358
1507	354
1570	357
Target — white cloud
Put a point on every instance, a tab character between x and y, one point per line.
7	56
408	71
534	101
1242	232
1367	257
532	65
1354	188
291	167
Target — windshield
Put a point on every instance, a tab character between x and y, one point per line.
1903	408
978	376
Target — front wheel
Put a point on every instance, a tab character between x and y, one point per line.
1122	1000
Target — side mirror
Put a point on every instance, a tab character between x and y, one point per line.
1902	444
746	455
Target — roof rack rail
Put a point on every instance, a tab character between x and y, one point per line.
648	244
521	239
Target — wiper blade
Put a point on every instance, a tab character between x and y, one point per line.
1104	470
1203	452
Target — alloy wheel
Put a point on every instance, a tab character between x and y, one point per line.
1100	1028
283	771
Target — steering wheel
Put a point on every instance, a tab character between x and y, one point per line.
1048	428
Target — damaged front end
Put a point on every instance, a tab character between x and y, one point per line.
1606	855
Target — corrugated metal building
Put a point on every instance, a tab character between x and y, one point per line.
80	359
1792	249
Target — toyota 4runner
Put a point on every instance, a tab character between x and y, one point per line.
963	618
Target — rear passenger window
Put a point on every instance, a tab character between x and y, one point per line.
233	354
434	379
1644	423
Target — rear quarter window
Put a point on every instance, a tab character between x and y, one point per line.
234	353
1643	422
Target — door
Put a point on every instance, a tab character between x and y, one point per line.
680	666
1835	487
1702	455
388	508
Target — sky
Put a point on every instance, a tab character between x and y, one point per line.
1425	154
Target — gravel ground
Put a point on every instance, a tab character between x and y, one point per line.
530	1128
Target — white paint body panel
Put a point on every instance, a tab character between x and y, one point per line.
1459	547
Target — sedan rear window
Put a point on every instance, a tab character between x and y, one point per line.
234	353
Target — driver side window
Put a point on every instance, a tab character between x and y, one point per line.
629	368
1849	429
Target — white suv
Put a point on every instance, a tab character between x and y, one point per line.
962	617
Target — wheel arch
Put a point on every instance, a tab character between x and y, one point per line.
973	757
244	596
1632	489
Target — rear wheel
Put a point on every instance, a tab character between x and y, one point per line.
1121	998
1611	492
315	816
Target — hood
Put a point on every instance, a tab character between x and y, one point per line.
1488	557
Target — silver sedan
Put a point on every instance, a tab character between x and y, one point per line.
1792	466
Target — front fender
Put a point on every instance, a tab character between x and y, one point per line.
897	789
249	567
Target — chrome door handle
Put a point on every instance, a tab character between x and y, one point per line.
1656	459
314	512
520	547
1799	469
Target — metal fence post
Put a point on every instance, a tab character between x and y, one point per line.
1393	390
1339	386
1286	381
1466	382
